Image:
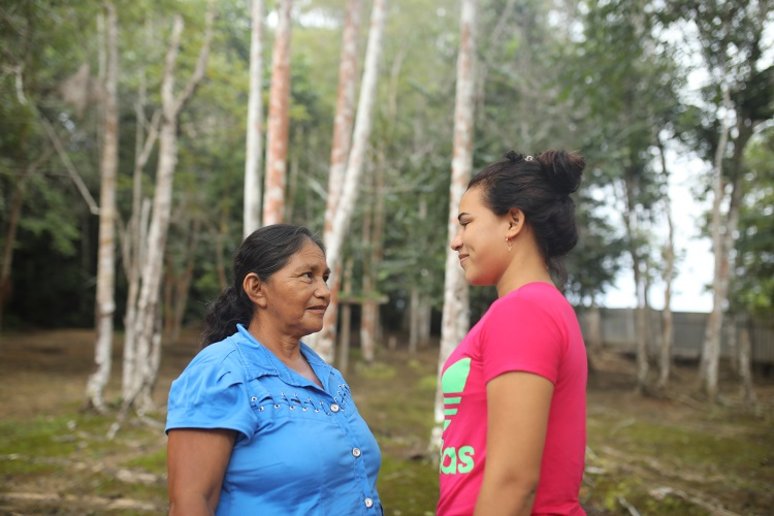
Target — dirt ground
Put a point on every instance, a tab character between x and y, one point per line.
669	454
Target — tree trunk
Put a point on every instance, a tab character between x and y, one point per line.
279	121
361	135
146	328
594	324
456	316
133	243
370	328
346	321
425	320
105	302
708	371
220	260
745	361
342	134
179	286
414	320
252	193
14	214
631	223
367	345
667	330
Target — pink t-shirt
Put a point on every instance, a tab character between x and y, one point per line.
531	329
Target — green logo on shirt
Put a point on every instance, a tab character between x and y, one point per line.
455	460
452	384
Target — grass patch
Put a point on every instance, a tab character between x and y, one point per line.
154	462
658	456
46	436
408	487
665	467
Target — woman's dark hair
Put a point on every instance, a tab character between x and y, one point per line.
264	252
540	186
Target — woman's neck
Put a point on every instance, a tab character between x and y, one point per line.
287	348
527	266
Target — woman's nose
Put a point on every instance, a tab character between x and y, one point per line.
456	242
323	290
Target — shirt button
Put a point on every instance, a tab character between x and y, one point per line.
369	503
335	407
356	452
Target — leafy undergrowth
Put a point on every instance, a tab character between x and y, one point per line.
672	455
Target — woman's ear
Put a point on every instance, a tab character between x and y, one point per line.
253	287
516	223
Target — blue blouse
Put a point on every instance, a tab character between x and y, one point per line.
300	449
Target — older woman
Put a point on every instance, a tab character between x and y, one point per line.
258	423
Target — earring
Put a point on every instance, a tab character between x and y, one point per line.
508	244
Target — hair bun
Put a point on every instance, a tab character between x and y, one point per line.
563	169
514	156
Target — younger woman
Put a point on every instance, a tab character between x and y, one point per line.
515	388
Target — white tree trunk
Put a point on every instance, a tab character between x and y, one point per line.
342	135
456	316
667	329
361	135
710	357
105	302
414	319
278	121
252	188
145	331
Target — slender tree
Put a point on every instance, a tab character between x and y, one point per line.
360	138
456	314
146	328
736	100
369	319
279	118
12	226
105	303
342	136
252	187
668	254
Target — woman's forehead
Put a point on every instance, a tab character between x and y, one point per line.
309	254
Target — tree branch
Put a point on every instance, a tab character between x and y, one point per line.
74	175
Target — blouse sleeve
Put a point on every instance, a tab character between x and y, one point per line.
210	394
521	335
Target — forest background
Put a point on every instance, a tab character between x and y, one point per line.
164	87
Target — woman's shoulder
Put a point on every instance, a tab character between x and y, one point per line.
215	359
217	351
531	300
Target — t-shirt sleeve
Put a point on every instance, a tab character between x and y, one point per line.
210	394
521	335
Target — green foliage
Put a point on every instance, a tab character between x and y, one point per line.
625	82
753	287
602	78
